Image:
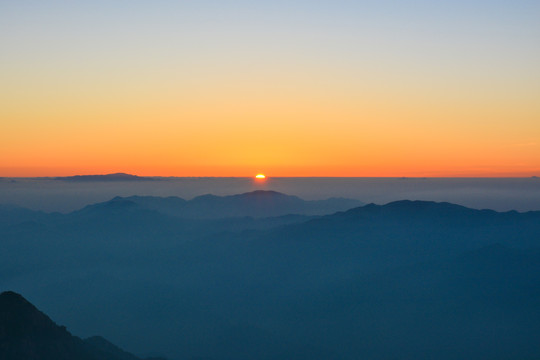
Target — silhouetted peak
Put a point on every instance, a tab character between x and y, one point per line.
411	207
205	197
422	205
252	195
368	206
263	193
116	205
121	202
425	212
155	198
18	317
11	297
113	204
269	196
13	303
27	333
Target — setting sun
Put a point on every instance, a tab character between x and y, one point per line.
260	176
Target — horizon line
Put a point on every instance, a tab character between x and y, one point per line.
281	177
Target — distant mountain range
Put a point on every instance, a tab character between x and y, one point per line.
405	280
256	204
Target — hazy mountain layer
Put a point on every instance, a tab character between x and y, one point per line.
253	204
405	280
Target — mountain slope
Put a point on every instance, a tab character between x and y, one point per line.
27	333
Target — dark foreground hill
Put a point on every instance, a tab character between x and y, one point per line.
28	334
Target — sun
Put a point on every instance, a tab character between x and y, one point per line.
260	176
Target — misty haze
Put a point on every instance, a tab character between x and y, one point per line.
267	275
64	195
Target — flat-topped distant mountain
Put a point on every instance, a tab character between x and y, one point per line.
27	333
257	204
106	177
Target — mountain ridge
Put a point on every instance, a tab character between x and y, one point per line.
257	204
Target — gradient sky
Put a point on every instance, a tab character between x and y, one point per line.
288	88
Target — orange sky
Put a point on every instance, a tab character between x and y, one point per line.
316	96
